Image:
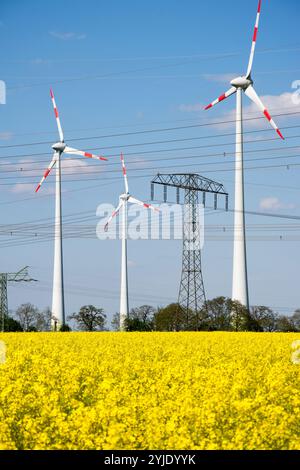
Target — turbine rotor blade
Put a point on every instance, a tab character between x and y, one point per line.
223	97
124	173
72	151
254	40
143	204
61	135
251	93
115	212
52	163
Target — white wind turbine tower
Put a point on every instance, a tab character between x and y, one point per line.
123	201
239	85
58	305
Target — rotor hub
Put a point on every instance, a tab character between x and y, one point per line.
59	146
125	196
242	82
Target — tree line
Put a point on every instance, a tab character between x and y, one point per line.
29	318
219	314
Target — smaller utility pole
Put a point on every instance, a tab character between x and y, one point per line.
20	276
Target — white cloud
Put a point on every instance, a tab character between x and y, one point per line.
276	104
70	167
29	169
191	108
220	77
274	204
73	166
6	135
68	35
23	188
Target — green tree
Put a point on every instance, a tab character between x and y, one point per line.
89	318
65	327
10	324
264	317
219	312
140	319
296	319
285	324
225	314
135	324
240	318
169	318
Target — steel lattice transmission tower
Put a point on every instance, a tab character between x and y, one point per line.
191	298
20	276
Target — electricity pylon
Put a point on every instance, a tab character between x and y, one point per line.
191	298
20	276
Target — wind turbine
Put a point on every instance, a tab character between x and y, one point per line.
124	199
58	305
239	85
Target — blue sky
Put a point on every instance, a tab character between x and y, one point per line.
123	67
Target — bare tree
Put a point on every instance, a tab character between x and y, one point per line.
89	318
115	322
43	320
27	315
144	313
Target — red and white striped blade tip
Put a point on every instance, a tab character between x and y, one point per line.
218	100
280	135
269	118
223	97
259	6
254	39
90	155
149	206
37	188
256	26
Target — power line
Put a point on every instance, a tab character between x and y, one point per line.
107	75
204	171
117	170
215	55
85	231
187	60
149	131
160	150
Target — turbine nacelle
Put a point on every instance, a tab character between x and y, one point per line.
59	146
241	82
124	197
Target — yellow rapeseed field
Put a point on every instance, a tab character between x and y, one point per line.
149	391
